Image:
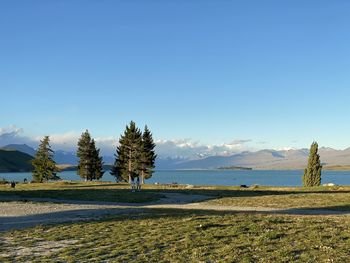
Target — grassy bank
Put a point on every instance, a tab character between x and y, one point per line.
184	236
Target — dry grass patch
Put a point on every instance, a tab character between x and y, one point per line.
32	247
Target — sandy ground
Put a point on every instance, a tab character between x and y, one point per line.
16	214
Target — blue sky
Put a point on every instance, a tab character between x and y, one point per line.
273	73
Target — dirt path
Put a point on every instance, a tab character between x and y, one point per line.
17	215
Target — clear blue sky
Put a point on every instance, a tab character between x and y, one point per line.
213	71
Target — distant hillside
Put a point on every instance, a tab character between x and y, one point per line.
60	157
63	157
234	168
14	161
24	148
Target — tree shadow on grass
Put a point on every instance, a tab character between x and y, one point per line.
93	215
89	195
119	196
93	185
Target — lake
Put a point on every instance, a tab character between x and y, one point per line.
215	177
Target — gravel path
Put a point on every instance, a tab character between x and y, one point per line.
15	214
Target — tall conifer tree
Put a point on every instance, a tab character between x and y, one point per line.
84	155
90	163
128	156
312	174
97	162
148	156
45	168
135	156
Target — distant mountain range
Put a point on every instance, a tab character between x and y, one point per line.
24	148
264	159
60	157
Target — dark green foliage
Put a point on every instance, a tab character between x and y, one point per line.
135	155
45	168
148	155
90	166
84	155
97	162
312	174
128	157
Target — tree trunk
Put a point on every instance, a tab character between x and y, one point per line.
129	166
142	177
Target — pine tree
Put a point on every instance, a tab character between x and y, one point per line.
84	155
97	162
90	163
312	174
45	168
148	155
128	156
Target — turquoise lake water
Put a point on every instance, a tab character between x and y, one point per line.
215	177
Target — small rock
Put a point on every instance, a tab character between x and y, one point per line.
329	184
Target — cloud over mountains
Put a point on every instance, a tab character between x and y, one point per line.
185	153
187	148
178	148
12	134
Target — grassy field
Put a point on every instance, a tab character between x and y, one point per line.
184	236
170	235
333	198
338	200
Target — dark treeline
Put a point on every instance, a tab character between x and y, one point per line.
135	157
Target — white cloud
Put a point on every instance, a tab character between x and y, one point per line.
108	145
180	148
286	149
186	148
10	131
68	141
13	135
68	138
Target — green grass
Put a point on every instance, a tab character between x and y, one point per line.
333	198
184	236
169	235
328	200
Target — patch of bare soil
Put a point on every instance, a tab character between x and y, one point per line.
38	248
